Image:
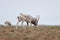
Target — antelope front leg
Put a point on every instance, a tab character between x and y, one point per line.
22	24
27	24
17	25
30	24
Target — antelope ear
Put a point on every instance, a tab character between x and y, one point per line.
20	13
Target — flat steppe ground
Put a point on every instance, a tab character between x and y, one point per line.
32	33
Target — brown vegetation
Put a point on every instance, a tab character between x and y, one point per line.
32	33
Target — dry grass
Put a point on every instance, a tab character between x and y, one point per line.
33	33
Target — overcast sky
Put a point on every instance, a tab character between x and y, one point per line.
49	10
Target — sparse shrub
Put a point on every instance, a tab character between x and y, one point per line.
12	30
25	38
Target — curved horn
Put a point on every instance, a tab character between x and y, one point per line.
37	17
